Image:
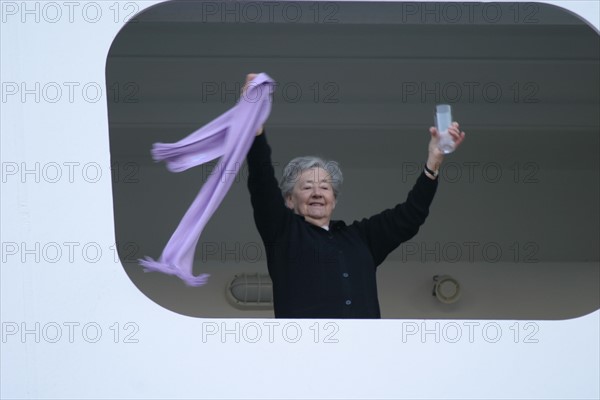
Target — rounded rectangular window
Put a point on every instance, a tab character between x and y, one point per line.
514	220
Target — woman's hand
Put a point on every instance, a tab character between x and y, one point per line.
436	156
249	78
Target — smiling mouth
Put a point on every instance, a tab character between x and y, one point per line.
316	204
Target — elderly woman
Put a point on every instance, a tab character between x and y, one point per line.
323	268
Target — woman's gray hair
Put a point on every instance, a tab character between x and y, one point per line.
298	165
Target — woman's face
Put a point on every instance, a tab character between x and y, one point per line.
313	196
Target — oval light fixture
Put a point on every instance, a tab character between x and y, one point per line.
446	289
250	291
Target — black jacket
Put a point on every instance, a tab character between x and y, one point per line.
327	274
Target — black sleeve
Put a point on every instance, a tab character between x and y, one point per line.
385	231
270	212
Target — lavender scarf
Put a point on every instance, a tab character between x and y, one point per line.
229	136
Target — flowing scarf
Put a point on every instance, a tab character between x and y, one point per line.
230	137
